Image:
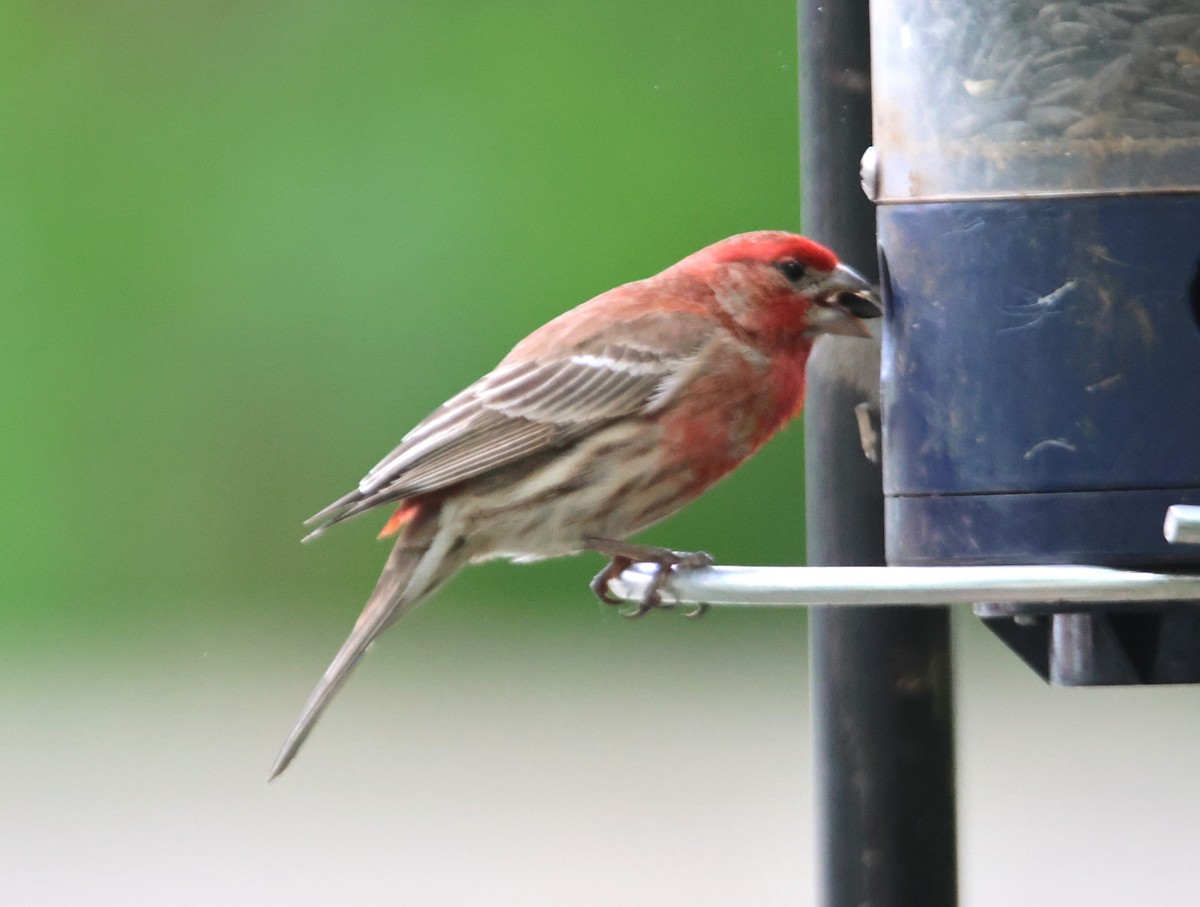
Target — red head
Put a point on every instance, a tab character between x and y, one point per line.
765	246
781	288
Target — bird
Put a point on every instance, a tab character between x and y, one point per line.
599	424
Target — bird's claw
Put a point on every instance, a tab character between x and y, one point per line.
665	561
643	607
599	583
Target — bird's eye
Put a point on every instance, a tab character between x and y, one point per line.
793	270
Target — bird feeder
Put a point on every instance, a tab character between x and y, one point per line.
1037	171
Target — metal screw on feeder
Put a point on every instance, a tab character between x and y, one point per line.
868	173
1182	525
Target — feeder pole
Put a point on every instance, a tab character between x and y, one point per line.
881	682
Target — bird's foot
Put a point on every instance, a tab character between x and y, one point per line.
624	555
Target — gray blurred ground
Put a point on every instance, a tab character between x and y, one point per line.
483	758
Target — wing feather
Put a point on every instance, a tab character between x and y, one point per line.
505	419
520	409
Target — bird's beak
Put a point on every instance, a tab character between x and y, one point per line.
843	299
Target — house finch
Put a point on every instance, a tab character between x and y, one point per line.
600	424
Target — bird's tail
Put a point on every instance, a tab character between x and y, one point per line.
424	557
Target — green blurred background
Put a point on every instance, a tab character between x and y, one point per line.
245	246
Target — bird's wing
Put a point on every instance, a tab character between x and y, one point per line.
522	408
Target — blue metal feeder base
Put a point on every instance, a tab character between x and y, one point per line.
1041	387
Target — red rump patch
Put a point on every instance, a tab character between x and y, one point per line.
403	515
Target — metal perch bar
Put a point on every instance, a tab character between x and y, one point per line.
1182	526
866	586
